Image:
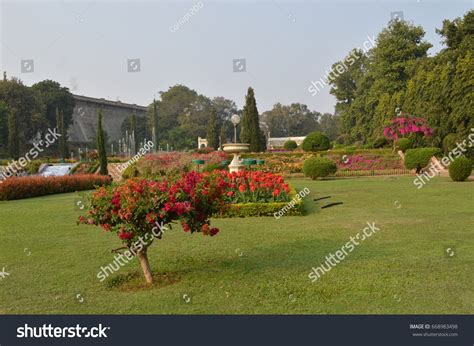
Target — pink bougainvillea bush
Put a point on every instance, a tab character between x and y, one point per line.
408	126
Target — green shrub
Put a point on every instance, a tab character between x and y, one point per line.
359	144
319	167
292	208
316	141
290	145
449	142
419	158
33	166
380	142
460	169
404	144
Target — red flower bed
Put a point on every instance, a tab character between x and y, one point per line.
254	186
34	186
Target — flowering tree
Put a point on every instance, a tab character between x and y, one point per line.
408	126
134	209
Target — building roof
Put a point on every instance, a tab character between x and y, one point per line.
105	102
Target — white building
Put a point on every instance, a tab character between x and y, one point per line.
278	142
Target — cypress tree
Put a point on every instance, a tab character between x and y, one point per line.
155	126
222	135
250	127
13	142
62	145
133	132
213	131
101	146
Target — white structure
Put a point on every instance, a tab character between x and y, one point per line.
202	143
278	142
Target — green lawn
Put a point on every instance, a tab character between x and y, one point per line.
256	265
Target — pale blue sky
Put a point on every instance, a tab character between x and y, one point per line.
85	45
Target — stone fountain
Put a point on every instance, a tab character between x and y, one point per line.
236	148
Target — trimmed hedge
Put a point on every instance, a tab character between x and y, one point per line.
449	142
264	209
316	141
460	169
404	144
34	186
319	167
290	145
419	158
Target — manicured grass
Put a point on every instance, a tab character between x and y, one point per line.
256	265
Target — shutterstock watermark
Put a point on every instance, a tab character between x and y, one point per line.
143	150
291	204
15	166
341	254
191	12
122	259
341	67
461	147
48	331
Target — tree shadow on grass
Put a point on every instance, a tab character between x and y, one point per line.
297	256
134	281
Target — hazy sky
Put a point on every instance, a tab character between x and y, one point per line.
86	45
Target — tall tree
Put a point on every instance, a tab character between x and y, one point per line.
154	122
213	131
372	87
293	120
101	146
4	111
62	145
222	136
133	133
250	125
55	97
13	139
28	110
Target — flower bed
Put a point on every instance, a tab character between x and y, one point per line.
366	162
34	186
377	160
256	193
175	163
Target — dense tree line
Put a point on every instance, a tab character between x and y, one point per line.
398	73
27	113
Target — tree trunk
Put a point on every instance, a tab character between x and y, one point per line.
143	258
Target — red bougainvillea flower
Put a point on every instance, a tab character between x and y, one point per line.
125	235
